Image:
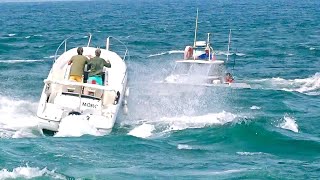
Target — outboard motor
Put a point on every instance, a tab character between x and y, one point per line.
74	113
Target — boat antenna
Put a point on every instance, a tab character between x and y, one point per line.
208	45
195	30
234	60
229	44
89	41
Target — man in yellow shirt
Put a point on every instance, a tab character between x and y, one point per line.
77	65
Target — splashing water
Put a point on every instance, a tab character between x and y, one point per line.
289	123
76	126
28	173
309	86
17	118
143	131
165	125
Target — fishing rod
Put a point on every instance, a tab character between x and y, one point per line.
229	44
196	29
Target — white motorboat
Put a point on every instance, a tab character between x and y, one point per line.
203	66
99	104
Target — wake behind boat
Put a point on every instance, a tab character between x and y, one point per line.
100	104
202	66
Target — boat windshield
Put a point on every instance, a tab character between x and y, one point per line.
199	69
216	70
182	68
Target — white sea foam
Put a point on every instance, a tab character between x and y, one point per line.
28	173
249	153
225	53
289	123
184	146
168	52
163	126
172	78
27	37
240	54
158	54
76	126
19	61
176	52
255	107
11	35
17	118
50	57
186	122
309	86
142	131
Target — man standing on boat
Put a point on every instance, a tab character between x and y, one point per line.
206	56
77	65
96	65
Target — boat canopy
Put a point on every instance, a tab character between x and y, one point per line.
201	43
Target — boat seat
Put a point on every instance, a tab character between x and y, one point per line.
93	92
71	89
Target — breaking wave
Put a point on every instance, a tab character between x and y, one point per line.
289	123
255	107
17	118
143	131
20	61
168	52
154	128
309	86
76	126
29	173
249	153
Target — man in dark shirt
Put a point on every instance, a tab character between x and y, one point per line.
77	65
96	65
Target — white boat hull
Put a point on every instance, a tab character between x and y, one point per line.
99	104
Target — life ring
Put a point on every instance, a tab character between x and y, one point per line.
188	52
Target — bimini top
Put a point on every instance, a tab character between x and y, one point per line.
201	43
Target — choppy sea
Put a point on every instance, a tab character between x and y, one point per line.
271	131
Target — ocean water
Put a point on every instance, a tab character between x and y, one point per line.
271	131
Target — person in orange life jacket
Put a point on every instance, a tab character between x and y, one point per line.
77	63
229	78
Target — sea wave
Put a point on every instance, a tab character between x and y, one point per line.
20	61
29	173
162	126
76	126
308	86
289	123
17	118
249	153
167	52
143	131
255	107
184	146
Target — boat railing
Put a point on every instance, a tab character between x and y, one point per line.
79	84
126	53
64	44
